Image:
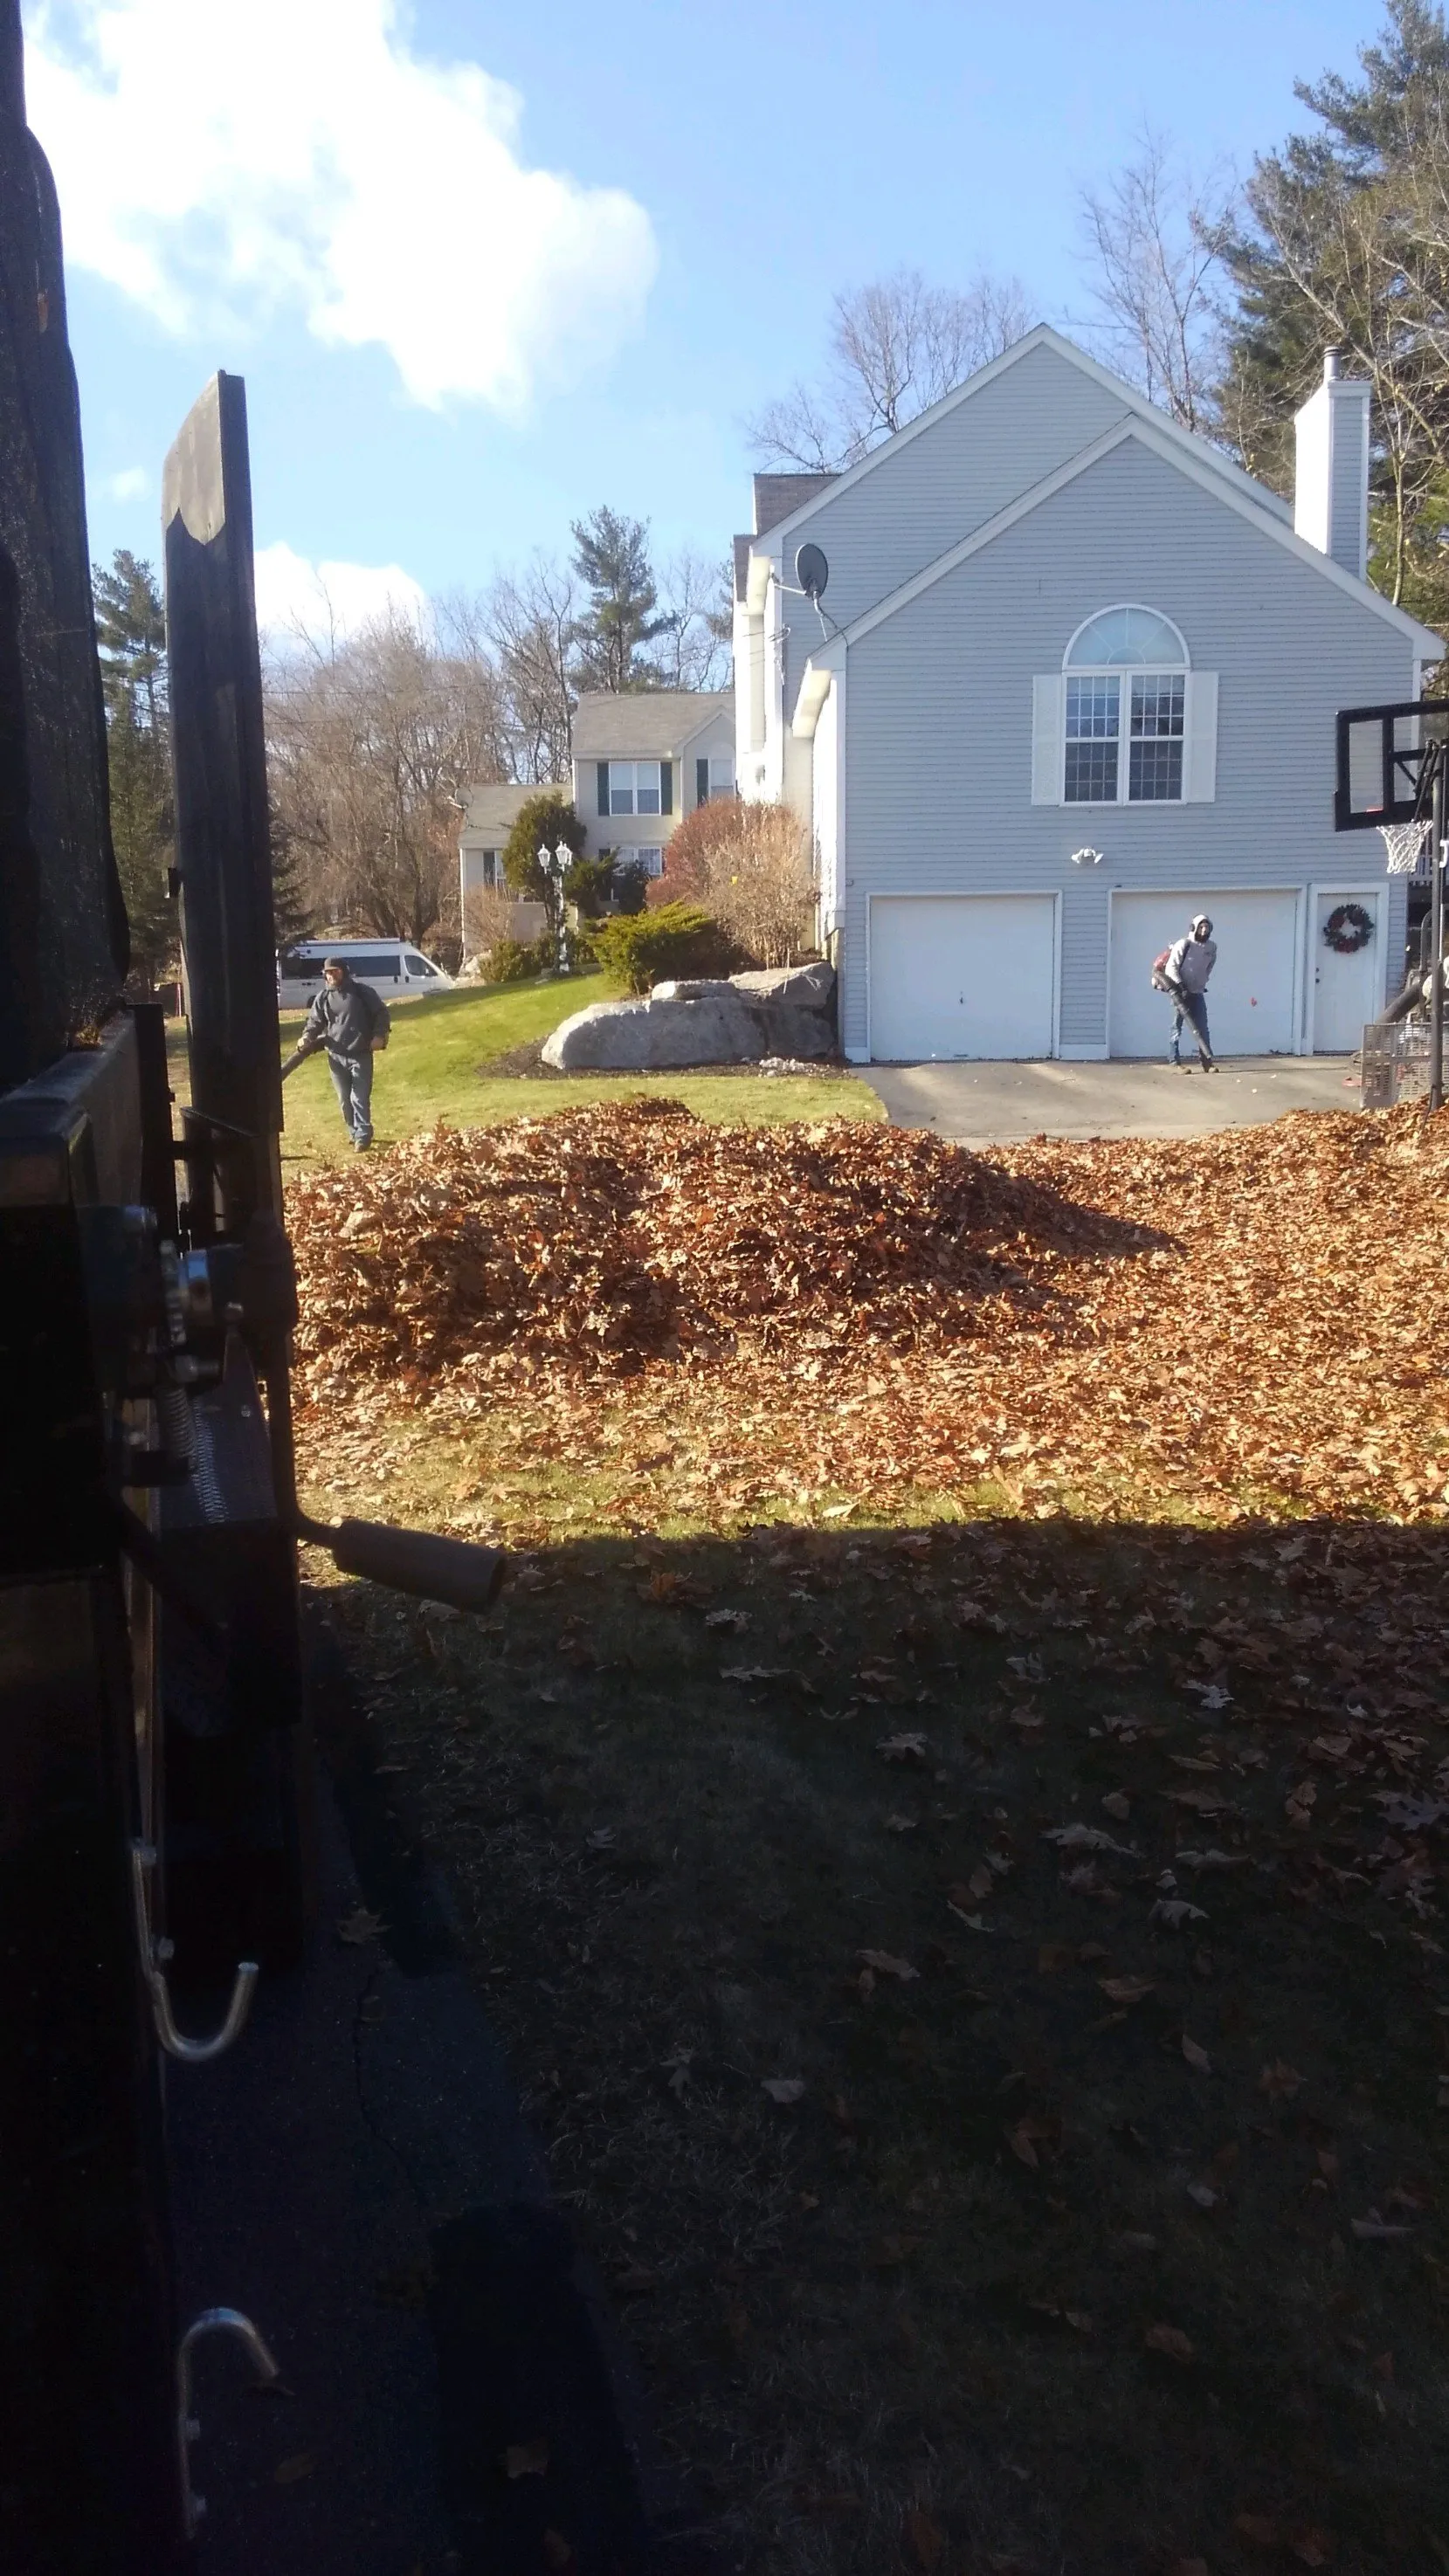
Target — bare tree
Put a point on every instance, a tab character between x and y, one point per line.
1153	242
750	866
531	620
698	596
374	741
895	348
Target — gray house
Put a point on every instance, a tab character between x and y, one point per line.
1072	677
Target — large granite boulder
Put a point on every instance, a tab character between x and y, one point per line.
784	1011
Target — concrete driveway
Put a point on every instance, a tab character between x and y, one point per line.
992	1104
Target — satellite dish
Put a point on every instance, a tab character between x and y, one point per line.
812	572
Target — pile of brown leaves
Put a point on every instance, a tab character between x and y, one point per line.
607	1237
1252	1315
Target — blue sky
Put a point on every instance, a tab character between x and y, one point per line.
449	355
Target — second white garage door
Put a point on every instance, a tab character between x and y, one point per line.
961	975
1252	996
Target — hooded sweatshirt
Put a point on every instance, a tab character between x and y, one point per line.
1190	962
347	1019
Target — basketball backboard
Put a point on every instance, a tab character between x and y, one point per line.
1386	758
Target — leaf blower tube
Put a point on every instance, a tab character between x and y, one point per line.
435	1569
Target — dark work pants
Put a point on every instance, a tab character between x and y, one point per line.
352	1082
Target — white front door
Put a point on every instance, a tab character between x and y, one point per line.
1348	991
953	976
1251	997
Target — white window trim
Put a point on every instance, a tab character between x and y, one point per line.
1116	608
617	768
1123	671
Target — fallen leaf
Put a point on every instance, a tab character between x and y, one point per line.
1204	2195
1311	2548
526	2459
1171	2340
601	1838
1280	2081
726	1618
1126	1990
1088	1838
1053	1956
1377	2231
902	1824
1118	1804
783	2088
979	1885
1196	2057
754	1672
884	1964
559	2554
1174	1911
1256	2529
360	1928
925	2540
903	1748
287	2472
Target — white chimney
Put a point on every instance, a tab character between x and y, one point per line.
1330	482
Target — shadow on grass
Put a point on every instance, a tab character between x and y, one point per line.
983	1989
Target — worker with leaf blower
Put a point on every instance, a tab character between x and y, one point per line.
1183	970
351	1022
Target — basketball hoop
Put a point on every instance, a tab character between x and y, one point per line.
1404	843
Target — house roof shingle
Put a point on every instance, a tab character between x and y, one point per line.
645	724
493	810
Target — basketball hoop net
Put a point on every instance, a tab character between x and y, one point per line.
1404	843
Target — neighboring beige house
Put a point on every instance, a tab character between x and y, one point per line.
643	760
492	813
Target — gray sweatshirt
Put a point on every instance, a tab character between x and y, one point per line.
1190	962
349	1020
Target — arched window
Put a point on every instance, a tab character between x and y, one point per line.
1126	677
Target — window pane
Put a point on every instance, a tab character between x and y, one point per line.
721	775
1127	635
1155	762
1093	717
646	786
621	796
649	862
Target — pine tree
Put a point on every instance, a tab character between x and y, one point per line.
1346	247
131	633
611	558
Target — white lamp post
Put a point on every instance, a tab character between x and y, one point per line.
555	864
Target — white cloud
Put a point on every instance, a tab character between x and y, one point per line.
131	484
295	597
217	164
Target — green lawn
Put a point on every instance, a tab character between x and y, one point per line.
430	1071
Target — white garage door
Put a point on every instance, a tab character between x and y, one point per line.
1250	998
961	975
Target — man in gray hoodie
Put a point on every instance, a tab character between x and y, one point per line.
1185	972
351	1021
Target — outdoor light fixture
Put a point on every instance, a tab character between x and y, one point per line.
1086	858
555	864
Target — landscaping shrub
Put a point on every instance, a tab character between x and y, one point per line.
749	865
646	948
541	823
512	961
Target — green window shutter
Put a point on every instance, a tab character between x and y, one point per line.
666	787
701	782
603	786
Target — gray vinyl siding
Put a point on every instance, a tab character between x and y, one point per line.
937	487
938	758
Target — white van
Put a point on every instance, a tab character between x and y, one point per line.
393	967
